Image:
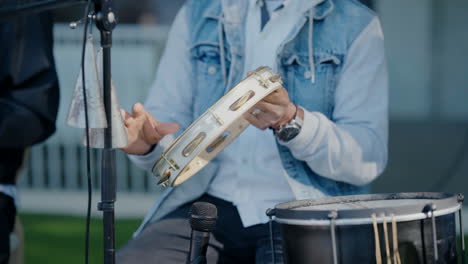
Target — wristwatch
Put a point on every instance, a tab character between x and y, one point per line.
290	130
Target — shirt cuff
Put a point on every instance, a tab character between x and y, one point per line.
147	161
306	135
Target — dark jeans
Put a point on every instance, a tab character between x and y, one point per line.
10	162
167	240
7	222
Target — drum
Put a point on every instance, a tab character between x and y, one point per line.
214	129
376	228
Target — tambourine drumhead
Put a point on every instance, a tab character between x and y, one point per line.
358	209
214	129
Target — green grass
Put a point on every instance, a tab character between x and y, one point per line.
60	239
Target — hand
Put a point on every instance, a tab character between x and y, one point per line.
143	130
274	111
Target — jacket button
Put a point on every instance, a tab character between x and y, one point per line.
307	74
212	70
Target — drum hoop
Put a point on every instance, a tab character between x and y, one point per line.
365	221
445	203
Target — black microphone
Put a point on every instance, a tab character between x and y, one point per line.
203	218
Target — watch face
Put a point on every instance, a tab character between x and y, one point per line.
288	133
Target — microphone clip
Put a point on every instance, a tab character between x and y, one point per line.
74	24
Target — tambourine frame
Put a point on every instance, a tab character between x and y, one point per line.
201	157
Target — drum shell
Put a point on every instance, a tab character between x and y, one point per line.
355	243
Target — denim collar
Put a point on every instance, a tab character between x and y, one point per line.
324	9
213	11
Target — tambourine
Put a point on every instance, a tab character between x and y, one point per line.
214	129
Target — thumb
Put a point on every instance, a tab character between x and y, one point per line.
138	109
166	128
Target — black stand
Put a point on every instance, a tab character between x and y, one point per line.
106	22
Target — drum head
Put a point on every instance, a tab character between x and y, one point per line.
358	209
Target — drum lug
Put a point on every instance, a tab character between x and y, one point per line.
333	215
270	212
432	208
460	199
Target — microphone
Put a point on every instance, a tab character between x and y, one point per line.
203	218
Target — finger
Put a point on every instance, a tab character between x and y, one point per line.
134	128
154	122
166	128
151	135
268	107
255	122
269	112
267	119
126	117
265	116
138	110
279	96
274	97
155	134
137	123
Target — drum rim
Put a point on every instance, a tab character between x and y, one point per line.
445	203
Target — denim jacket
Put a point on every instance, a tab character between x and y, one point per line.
310	60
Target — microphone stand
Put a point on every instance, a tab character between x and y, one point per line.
106	22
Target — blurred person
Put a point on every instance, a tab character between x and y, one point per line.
330	54
29	97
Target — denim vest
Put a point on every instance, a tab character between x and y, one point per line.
217	54
217	45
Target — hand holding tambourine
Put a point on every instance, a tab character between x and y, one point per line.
143	130
261	92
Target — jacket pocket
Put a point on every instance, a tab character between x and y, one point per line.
317	95
209	85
